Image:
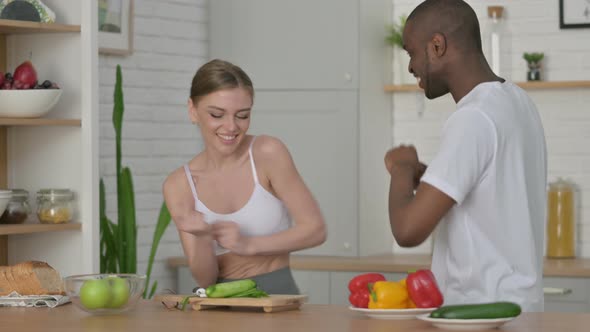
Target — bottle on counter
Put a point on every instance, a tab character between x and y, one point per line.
561	223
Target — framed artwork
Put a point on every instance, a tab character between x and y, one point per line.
115	27
574	14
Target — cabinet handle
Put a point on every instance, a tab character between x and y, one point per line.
556	291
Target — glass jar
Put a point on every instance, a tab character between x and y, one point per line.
17	209
497	36
561	220
55	206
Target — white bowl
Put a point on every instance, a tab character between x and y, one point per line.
5	196
31	103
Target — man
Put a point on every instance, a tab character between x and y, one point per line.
485	188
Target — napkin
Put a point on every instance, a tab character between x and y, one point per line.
14	299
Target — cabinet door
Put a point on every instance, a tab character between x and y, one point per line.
184	280
285	44
314	284
320	129
567	294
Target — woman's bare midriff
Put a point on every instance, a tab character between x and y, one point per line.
232	266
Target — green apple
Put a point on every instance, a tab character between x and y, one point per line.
95	293
119	292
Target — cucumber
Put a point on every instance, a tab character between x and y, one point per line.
230	288
478	311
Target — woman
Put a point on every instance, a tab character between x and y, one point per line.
240	206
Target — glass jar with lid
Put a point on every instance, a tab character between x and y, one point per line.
55	206
561	221
17	209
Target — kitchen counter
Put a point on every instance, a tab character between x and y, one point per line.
575	267
153	316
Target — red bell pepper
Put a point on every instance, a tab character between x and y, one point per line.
360	299
423	289
361	281
359	288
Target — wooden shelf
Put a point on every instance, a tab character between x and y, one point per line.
38	228
40	122
14	27
538	85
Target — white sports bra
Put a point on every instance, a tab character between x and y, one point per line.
263	214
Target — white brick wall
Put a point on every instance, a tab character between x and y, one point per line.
170	43
531	25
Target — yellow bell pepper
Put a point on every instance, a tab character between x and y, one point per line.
410	304
388	295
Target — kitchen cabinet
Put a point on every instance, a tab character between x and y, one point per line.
317	76
316	284
59	150
327	162
565	294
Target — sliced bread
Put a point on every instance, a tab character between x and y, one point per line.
30	278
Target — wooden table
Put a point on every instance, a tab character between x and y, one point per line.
152	316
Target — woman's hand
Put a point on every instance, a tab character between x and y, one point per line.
227	234
193	223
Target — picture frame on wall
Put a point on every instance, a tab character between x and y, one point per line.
115	27
574	14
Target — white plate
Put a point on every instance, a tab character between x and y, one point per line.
392	313
465	324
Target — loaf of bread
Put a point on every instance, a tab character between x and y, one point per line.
30	278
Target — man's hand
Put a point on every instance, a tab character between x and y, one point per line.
227	234
405	156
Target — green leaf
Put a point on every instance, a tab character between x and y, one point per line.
163	222
113	245
108	245
153	290
127	217
185	302
118	110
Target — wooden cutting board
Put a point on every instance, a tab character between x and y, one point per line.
273	303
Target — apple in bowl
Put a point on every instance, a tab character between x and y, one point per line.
105	293
22	96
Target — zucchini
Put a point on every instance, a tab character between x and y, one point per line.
230	288
478	311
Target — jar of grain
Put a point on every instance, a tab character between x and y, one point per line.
55	206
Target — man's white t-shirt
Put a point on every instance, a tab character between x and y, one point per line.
492	162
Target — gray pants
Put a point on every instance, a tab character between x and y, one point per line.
276	282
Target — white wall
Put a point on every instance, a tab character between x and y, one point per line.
531	25
170	43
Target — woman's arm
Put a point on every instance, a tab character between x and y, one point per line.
194	232
309	230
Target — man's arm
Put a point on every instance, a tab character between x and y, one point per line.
412	216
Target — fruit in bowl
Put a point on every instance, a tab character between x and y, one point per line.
105	293
22	96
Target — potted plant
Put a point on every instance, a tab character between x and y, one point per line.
395	33
401	59
118	241
534	64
